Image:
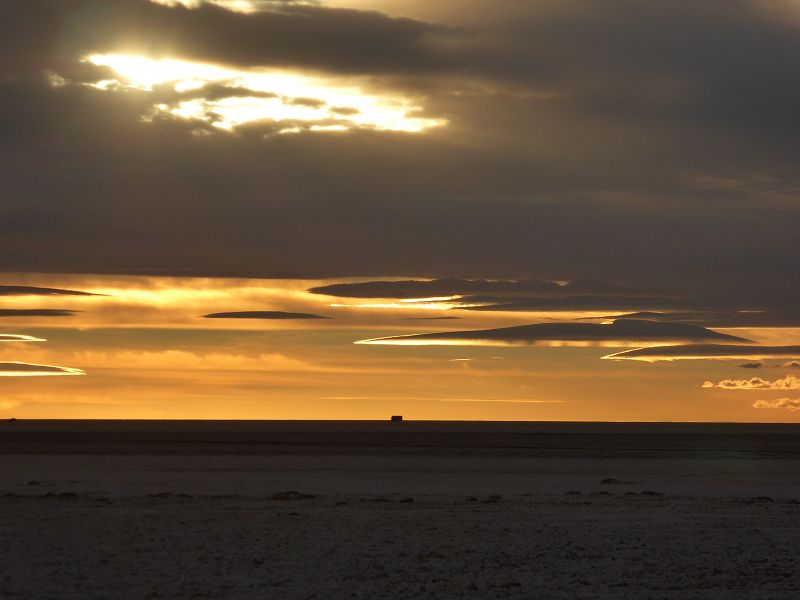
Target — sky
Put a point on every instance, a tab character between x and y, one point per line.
540	210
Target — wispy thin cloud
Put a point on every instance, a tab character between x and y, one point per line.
21	369
706	352
10	337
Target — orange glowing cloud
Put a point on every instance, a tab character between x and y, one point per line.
790	382
784	403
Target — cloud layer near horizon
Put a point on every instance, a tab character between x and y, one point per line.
21	369
790	382
35	312
27	290
706	352
12	337
781	403
263	314
624	331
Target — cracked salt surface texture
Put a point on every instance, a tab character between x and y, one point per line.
302	522
437	547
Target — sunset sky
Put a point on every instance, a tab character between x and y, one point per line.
348	209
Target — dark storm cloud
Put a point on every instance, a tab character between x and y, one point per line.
751	365
263	314
652	145
288	35
35	312
706	351
25	290
623	330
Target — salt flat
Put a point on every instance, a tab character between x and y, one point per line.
715	517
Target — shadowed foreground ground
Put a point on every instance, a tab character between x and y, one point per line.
401	523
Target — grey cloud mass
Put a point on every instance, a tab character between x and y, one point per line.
653	145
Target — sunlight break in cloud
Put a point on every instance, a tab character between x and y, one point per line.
242	6
300	101
790	382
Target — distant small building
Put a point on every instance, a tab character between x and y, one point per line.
397	418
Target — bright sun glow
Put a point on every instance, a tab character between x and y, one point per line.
300	102
243	6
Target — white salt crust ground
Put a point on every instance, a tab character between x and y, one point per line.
139	527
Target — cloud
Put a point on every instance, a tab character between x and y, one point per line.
430	318
525	295
790	382
751	365
10	337
792	364
288	35
784	403
716	317
263	314
36	312
184	361
621	331
26	290
458	286
569	302
21	369
706	352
